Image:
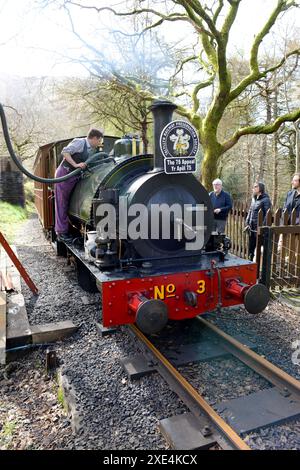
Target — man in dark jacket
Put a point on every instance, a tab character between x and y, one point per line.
292	200
260	200
222	204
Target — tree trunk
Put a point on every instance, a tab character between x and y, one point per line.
297	130
263	155
275	150
212	150
248	180
249	172
262	158
275	172
210	164
144	134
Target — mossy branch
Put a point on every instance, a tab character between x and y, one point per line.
261	129
200	86
282	5
255	76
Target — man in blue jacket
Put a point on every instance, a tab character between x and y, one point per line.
292	200
222	204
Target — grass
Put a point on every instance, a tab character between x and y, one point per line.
7	433
12	216
57	388
61	398
9	428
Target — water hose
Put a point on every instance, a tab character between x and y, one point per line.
39	179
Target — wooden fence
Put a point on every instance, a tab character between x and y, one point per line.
277	247
235	230
278	250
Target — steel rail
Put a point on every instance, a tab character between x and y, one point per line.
272	373
225	430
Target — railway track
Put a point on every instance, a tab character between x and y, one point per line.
285	383
220	427
225	436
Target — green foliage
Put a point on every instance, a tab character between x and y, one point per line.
12	216
9	428
61	398
29	191
59	391
6	434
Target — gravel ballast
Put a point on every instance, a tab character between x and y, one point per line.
114	412
110	411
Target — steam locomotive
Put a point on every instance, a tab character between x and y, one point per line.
150	279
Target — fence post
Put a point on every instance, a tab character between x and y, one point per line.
266	233
259	241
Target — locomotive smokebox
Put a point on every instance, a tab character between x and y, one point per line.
162	111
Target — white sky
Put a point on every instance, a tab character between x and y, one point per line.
36	41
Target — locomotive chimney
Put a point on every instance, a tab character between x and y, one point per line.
162	113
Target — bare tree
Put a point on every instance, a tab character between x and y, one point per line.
110	103
122	83
212	22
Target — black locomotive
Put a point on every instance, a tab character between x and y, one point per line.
152	278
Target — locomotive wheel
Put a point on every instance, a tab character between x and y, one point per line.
85	279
